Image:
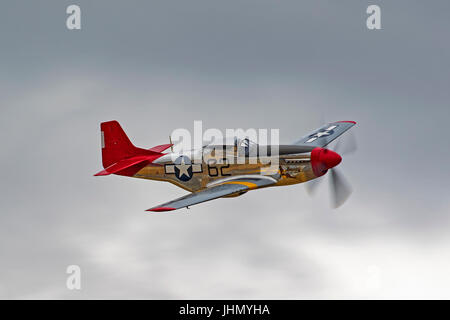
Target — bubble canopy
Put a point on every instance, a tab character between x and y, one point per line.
241	146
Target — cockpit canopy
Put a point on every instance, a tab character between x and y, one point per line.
247	148
241	147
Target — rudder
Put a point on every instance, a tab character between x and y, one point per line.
115	144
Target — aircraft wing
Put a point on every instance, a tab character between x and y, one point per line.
325	134
219	189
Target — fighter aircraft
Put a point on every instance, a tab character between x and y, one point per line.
241	169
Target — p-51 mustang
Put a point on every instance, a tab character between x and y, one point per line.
209	179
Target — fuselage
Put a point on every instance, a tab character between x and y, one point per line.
194	176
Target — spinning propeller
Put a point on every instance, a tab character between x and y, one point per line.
323	160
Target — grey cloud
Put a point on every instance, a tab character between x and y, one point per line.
157	66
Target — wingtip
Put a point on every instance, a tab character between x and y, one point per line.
348	121
102	173
160	209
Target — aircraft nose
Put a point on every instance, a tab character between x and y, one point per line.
322	160
330	158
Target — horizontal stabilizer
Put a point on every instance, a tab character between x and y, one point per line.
126	163
161	147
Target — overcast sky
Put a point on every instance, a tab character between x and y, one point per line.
159	65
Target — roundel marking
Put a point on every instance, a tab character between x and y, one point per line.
183	168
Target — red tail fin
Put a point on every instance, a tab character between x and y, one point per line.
116	146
